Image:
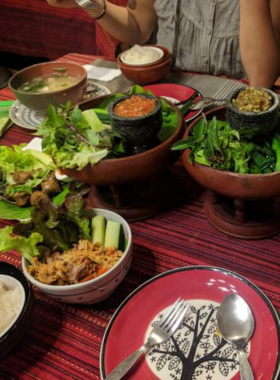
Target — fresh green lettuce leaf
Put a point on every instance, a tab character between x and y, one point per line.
13	159
75	206
93	121
25	246
10	211
86	155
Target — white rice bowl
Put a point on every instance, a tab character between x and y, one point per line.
141	55
12	298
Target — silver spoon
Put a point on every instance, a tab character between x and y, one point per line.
236	324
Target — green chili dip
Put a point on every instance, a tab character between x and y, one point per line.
253	99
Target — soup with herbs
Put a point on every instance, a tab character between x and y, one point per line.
49	83
135	106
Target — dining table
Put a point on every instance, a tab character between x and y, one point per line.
64	340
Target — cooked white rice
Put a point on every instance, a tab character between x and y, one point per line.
10	303
141	54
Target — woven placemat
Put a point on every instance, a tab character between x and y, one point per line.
207	85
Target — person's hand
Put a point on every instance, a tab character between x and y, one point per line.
63	3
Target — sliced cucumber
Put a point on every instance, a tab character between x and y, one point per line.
98	223
112	235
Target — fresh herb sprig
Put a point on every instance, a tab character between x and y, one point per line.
214	143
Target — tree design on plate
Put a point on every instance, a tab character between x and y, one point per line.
197	350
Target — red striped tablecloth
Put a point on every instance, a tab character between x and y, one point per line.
64	340
34	28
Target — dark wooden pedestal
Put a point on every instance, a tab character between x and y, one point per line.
134	201
243	219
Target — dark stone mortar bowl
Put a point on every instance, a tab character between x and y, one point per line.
262	122
137	130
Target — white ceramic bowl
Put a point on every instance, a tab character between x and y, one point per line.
13	277
11	283
95	290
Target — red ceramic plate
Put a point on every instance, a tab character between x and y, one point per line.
197	350
175	93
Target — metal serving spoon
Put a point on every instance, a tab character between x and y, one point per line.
201	103
236	324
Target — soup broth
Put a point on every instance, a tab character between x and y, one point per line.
49	83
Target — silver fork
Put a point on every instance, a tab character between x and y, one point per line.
201	103
162	331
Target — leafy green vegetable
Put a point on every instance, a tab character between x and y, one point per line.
50	228
84	156
74	211
26	246
5	121
90	117
35	165
13	159
10	211
185	108
59	199
76	139
71	139
276	148
213	143
136	90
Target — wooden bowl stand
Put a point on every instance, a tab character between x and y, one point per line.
135	201
241	218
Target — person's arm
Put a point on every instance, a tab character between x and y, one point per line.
133	24
260	40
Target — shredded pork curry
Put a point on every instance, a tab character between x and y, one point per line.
83	262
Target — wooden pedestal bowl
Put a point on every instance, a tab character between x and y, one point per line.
246	206
132	186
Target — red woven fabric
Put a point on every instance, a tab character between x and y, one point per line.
64	340
34	28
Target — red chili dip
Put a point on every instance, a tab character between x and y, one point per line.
135	106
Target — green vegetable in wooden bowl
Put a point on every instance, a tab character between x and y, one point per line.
228	162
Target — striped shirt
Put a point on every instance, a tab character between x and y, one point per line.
202	35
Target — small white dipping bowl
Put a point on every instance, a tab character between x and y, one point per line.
99	288
11	283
